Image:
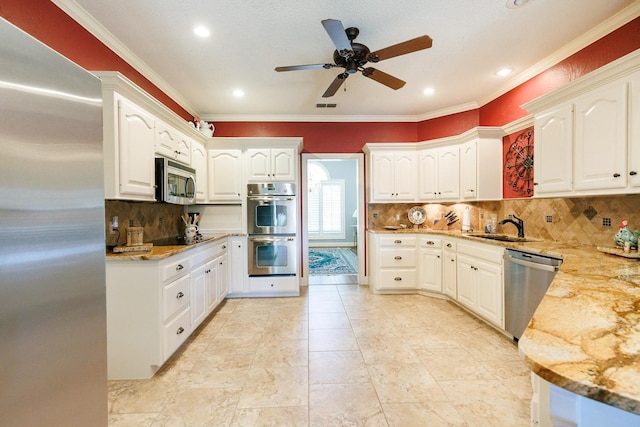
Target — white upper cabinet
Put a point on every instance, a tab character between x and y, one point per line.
225	176
199	163
587	133
393	176
439	173
481	165
553	166
172	144
135	139
634	130
601	138
271	164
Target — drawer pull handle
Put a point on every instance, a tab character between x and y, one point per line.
430	242
449	245
397	279
180	330
179	295
224	246
397	241
397	257
452	260
179	267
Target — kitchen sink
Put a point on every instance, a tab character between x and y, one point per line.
500	237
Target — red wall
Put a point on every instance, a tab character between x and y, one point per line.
323	137
48	23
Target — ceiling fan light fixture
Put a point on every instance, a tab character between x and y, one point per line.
504	72
201	31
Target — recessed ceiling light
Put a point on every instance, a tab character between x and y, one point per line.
514	4
238	93
504	72
428	91
202	31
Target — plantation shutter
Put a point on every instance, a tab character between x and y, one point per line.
326	211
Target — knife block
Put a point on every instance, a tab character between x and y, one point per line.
440	225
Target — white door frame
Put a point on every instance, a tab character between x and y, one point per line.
361	209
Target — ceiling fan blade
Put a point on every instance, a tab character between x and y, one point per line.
335	85
384	78
335	29
305	67
413	45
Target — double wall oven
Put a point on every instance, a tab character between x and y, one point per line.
272	227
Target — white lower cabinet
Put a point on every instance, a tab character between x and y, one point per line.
238	269
393	262
449	269
430	264
480	285
154	305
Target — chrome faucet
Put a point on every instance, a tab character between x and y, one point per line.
519	225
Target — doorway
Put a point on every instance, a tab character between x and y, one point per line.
332	218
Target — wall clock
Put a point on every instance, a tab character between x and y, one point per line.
518	165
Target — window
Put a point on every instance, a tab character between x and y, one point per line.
325	205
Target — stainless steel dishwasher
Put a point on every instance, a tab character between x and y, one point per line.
527	277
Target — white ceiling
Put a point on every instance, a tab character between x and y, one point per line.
472	39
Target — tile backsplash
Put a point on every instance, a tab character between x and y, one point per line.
579	220
159	220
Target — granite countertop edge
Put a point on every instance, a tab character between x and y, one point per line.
162	252
585	335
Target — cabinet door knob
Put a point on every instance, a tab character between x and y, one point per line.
397	257
449	245
180	330
397	279
179	267
633	173
616	175
179	295
224	246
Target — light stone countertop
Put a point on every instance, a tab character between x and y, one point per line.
161	252
585	335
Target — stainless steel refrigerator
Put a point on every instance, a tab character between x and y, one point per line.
52	243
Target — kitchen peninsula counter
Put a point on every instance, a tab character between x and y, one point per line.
585	335
161	252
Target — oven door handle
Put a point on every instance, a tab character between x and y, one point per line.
271	239
269	199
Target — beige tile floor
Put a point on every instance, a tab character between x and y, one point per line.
336	356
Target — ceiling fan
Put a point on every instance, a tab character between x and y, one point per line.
353	56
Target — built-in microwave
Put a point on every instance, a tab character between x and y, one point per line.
175	183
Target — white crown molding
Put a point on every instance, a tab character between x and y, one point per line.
89	23
303	118
518	125
596	33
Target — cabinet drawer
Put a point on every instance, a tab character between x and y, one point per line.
172	268
176	332
398	278
398	240
273	284
397	258
175	297
481	251
449	245
428	242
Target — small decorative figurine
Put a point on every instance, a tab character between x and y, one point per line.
625	235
